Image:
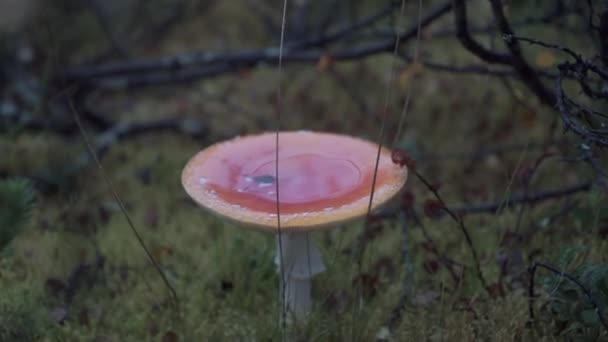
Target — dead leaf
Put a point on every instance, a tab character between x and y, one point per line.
162	252
431	266
528	117
408	73
496	290
545	59
325	62
170	336
245	73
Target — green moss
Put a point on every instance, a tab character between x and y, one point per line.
22	318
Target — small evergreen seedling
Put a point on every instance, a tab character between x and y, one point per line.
17	198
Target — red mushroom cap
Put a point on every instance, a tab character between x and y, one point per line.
323	179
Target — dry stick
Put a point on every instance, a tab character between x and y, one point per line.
123	209
195	65
278	128
463	228
531	295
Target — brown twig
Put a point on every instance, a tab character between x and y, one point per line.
493	207
460	221
192	66
513	59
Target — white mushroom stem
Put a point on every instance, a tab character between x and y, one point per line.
301	261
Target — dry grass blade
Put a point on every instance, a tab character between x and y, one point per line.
279	109
385	115
89	145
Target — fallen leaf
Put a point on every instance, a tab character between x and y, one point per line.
545	59
496	290
162	252
408	73
528	117
433	208
325	62
170	336
431	266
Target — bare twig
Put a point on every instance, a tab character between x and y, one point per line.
458	219
493	207
514	58
464	35
192	66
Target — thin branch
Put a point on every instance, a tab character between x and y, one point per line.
532	198
461	22
493	207
479	69
525	71
458	219
119	132
558	11
514	58
196	65
343	32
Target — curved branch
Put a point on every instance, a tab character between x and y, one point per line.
196	65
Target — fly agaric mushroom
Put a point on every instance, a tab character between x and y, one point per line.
323	179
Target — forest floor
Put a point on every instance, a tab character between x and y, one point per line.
78	266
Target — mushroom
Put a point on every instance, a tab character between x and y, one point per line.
324	179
